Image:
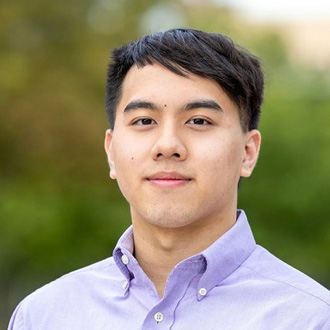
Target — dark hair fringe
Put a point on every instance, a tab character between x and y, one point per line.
182	51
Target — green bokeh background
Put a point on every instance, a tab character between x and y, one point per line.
58	209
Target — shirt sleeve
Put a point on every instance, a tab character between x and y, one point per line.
16	321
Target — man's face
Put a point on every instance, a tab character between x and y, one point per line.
178	149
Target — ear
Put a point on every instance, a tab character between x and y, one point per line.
251	152
109	152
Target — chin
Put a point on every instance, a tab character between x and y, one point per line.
169	218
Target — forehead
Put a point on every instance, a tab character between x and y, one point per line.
158	84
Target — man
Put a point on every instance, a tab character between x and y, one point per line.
183	107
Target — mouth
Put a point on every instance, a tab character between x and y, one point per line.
168	179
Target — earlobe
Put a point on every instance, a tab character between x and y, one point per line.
251	152
109	153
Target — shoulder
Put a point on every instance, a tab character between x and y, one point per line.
73	289
70	299
91	273
75	281
278	273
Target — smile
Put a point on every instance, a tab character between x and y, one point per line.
164	179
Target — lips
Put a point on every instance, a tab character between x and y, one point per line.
168	179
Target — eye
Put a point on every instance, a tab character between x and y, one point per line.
144	122
199	121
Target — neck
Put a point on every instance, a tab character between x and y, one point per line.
159	249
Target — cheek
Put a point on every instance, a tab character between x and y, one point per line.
222	158
125	160
125	165
128	157
124	148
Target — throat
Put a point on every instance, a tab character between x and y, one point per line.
158	250
158	265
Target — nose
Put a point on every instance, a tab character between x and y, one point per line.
169	144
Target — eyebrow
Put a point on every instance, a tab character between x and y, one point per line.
133	105
206	104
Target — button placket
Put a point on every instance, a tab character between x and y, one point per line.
178	282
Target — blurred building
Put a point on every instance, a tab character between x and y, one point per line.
308	42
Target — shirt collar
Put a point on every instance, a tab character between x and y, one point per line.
219	260
227	253
125	246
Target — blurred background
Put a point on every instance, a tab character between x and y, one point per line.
59	211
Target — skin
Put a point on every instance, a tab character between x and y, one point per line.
177	152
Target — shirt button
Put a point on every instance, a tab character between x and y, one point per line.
159	317
124	259
202	291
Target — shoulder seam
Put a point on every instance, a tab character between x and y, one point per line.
271	279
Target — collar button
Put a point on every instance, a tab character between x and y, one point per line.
202	291
124	259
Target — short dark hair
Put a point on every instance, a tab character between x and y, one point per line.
182	51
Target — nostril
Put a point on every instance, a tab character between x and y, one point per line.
176	155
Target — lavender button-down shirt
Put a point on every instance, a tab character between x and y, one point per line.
234	284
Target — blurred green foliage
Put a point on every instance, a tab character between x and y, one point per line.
58	209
